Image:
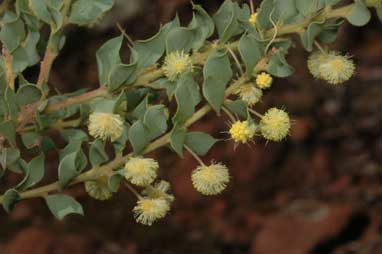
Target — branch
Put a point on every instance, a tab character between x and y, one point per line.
107	169
28	115
8	64
145	79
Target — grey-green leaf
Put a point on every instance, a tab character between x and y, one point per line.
226	21
155	120
85	12
115	180
278	66
138	136
251	52
62	205
35	172
238	107
177	139
217	73
187	97
359	14
10	198
107	57
97	153
8	130
70	166
200	142
28	94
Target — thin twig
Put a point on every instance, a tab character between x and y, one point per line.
236	59
319	47
252	6
195	156
131	188
229	114
131	42
274	34
255	113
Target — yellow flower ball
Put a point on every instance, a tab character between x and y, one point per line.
336	69
104	126
141	171
159	190
264	80
149	210
175	64
314	61
210	180
98	189
242	131
250	94
253	18
275	124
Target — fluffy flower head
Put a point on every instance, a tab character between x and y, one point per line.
336	69
242	131
177	63
275	124
98	189
253	18
149	210
332	67
141	171
104	126
210	180
159	190
264	80
314	61
250	94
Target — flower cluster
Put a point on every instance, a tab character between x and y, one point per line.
242	131
105	126
253	18
98	189
149	210
175	64
155	201
275	124
152	100
331	67
250	93
154	204
264	80
210	180
141	171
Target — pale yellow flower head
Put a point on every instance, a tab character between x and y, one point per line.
141	171
314	61
242	131
105	125
264	80
275	124
250	94
177	63
98	189
160	190
149	210
336	69
210	180
253	18
331	67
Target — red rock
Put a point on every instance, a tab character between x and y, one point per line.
298	234
31	240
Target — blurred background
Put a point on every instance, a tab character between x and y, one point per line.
318	192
